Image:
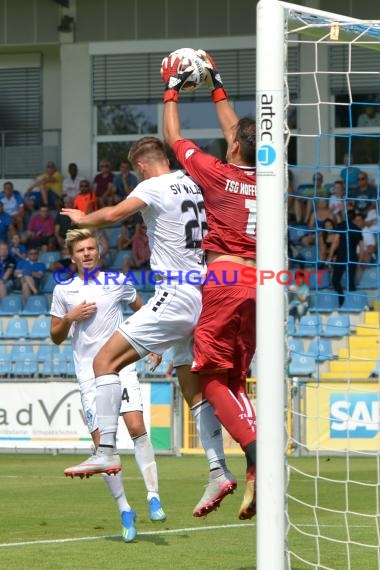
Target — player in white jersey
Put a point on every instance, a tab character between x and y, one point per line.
173	210
88	309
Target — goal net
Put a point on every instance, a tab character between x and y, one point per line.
318	169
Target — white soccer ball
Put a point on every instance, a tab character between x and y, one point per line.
188	56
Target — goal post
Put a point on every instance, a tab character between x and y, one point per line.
313	512
270	400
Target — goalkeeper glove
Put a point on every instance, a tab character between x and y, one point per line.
213	79
172	78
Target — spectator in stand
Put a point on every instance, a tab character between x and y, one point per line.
63	223
6	224
349	174
17	249
71	182
29	274
337	201
140	248
347	246
299	299
49	183
362	194
320	214
40	230
370	117
326	239
125	181
64	261
86	200
103	185
7	267
303	205
13	204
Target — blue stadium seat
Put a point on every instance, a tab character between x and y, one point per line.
308	254
370	279
301	365
44	352
16	328
20	351
324	302
36	305
296	345
321	349
309	326
319	281
40	328
5	366
145	296
354	302
48	284
11	305
67	351
49	257
55	366
337	326
296	233
291	325
28	366
119	259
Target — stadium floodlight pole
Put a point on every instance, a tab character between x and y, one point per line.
271	381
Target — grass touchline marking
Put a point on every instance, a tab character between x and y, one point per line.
150	533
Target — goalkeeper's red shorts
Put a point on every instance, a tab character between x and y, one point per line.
225	336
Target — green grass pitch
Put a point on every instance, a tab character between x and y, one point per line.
51	522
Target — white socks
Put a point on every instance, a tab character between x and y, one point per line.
146	462
116	488
108	401
210	433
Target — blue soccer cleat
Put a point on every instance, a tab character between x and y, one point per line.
129	531
157	513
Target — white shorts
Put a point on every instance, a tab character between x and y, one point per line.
166	321
131	400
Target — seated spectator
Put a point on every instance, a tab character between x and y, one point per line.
70	186
362	194
372	220
325	240
6	224
303	205
17	249
49	183
40	230
337	201
86	199
370	117
299	299
103	185
62	223
140	248
125	181
349	174
29	274
321	213
64	261
7	267
13	205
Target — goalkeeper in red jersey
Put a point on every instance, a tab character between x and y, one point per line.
225	340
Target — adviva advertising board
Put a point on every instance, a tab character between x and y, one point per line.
49	416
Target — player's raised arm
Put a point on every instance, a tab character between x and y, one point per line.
226	115
105	216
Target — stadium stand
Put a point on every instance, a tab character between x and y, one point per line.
301	365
